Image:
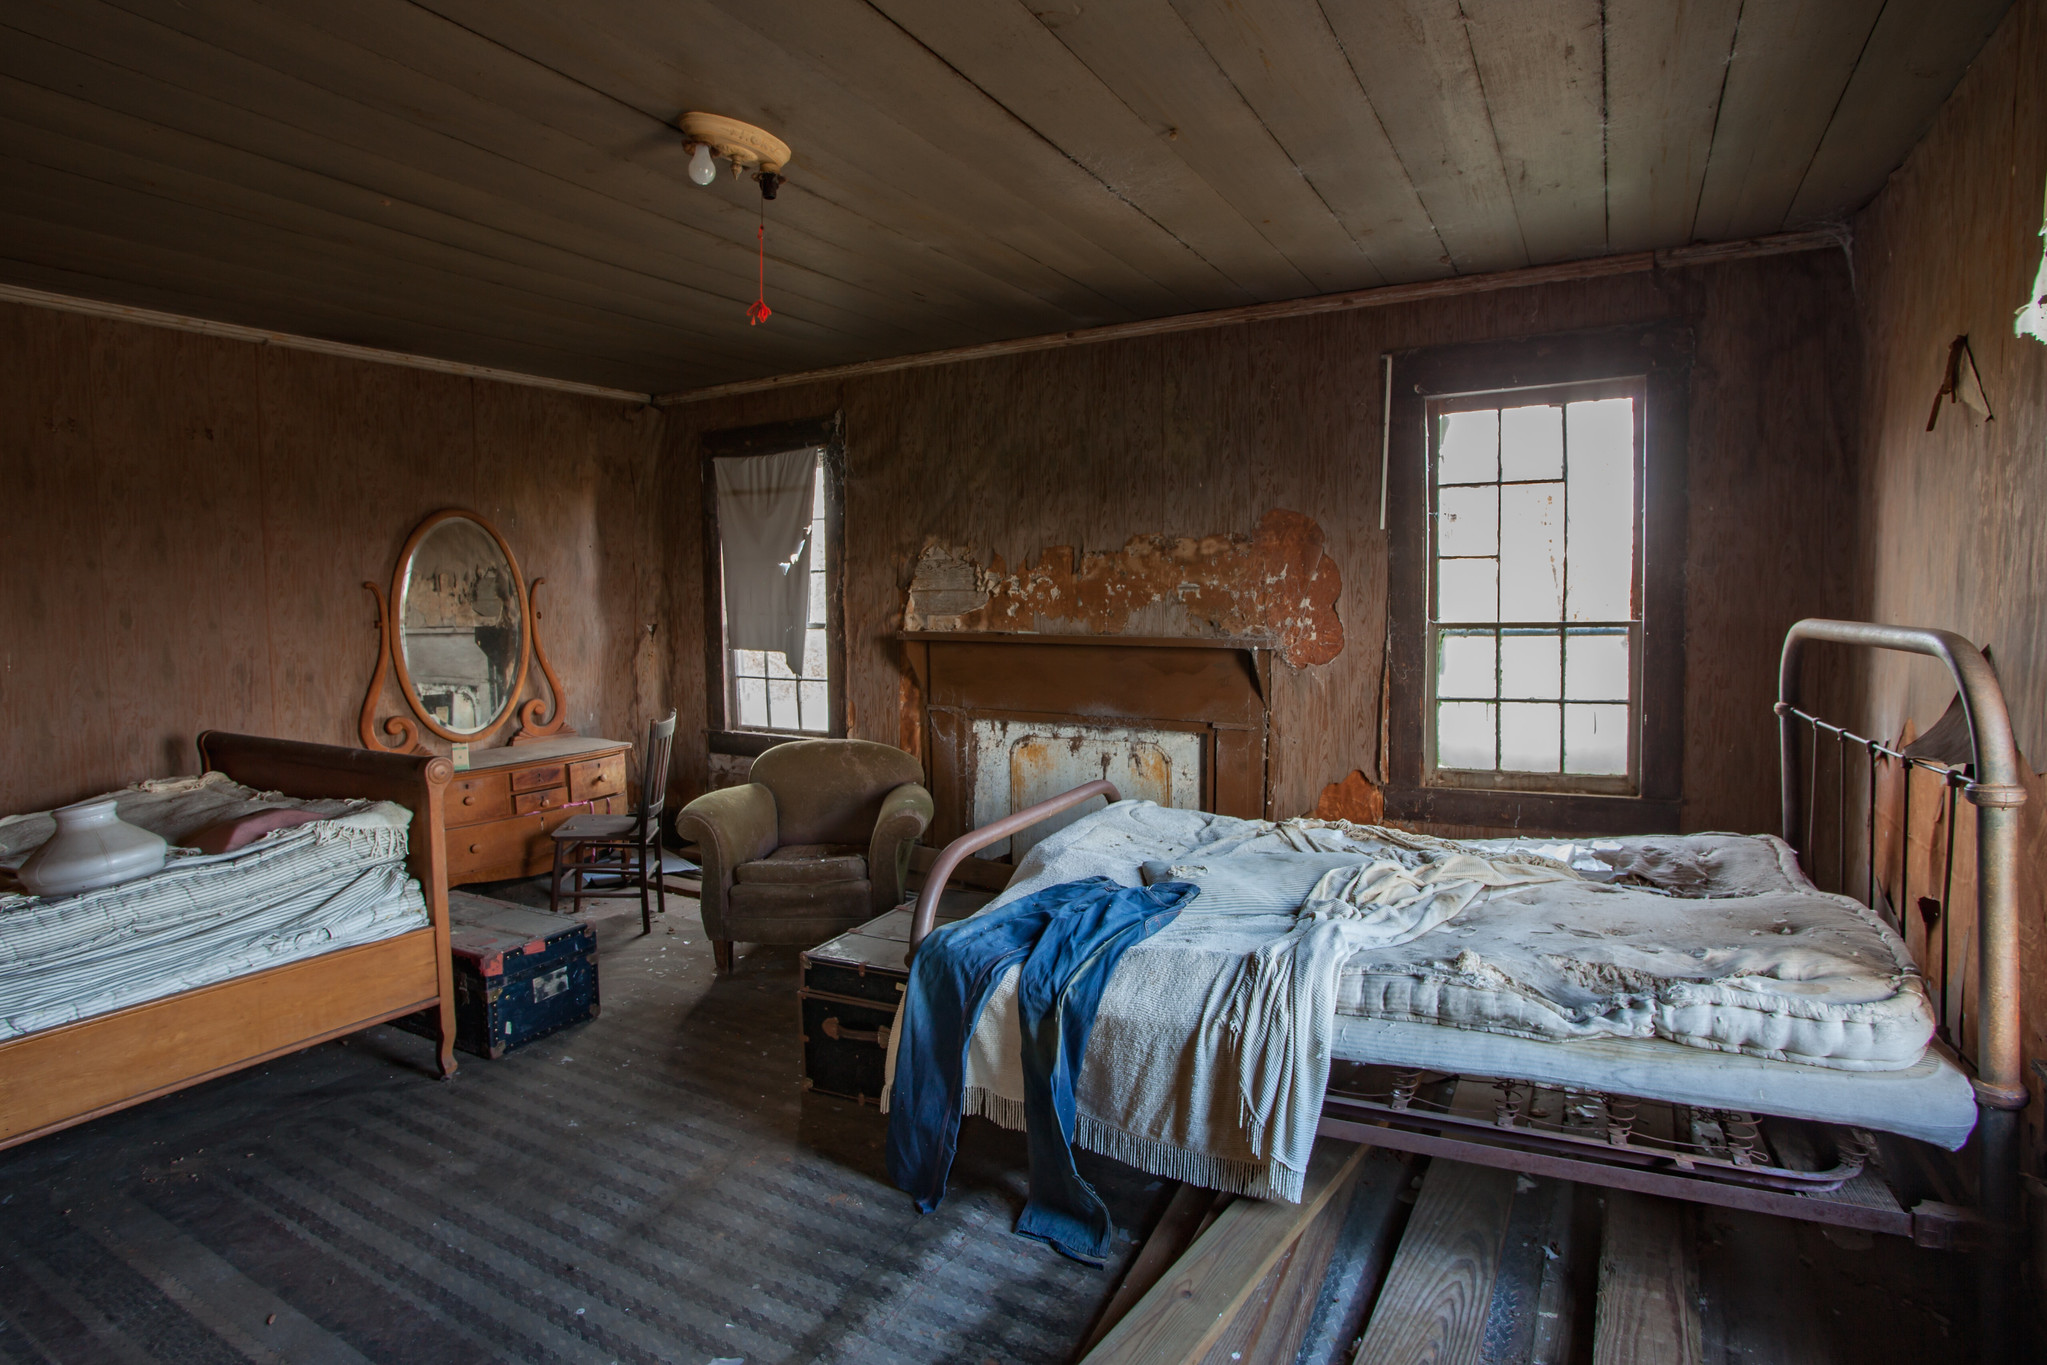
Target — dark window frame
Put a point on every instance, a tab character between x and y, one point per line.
1660	355
768	439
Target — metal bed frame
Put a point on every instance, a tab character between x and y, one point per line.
1759	1162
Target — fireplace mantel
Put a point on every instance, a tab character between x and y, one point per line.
1215	690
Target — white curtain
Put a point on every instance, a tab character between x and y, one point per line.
764	504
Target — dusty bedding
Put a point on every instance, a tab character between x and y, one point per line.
1711	940
1680	986
292	894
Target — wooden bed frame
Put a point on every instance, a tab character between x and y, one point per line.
63	1076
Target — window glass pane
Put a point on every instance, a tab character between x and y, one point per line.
1602	523
817	616
1529	665
1529	734
752	696
782	713
1532	552
1468	590
815	704
1464	734
1596	739
1464	665
1469	524
1596	666
813	653
1469	449
1532	442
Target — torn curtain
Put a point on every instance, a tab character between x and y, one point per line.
764	504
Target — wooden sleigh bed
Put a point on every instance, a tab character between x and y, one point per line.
58	1077
1795	1168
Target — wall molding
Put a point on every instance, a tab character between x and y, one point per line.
1382	296
180	322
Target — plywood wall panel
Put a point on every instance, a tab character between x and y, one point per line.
1951	520
1204	433
197	516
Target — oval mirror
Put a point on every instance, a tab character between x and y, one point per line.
462	639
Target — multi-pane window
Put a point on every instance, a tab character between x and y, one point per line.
1535	587
762	694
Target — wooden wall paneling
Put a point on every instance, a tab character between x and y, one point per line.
897	116
289	265
522	111
106	265
180	498
1759	556
1789	65
1911	61
1416	66
354	456
296	209
209	135
228	500
292	115
59	686
1284	61
1543	71
1951	518
1662	103
1021	64
1156	67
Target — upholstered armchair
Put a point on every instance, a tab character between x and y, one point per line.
816	842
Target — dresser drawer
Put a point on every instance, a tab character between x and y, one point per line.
528	803
597	777
534	778
475	799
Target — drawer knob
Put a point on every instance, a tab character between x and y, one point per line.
469	800
476	848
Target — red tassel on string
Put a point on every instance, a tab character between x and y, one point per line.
758	311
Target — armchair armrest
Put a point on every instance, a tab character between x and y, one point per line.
905	813
729	827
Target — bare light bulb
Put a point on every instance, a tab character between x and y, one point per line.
701	167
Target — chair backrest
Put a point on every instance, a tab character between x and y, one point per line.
829	791
654	771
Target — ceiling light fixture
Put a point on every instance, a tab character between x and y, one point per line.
709	136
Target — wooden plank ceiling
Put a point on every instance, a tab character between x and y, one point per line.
500	181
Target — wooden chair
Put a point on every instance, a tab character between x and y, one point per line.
627	847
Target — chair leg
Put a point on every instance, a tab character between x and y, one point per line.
646	909
721	955
660	881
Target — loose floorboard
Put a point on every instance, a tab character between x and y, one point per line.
650	1186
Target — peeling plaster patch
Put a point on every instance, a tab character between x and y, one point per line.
1275	584
1354	799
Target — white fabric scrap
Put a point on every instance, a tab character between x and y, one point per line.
764	504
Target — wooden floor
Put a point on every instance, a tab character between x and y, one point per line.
1393	1261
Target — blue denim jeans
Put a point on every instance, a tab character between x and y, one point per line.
1069	939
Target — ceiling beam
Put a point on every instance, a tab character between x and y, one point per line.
1630	263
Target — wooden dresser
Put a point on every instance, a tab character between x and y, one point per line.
503	806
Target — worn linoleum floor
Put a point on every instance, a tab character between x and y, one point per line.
650	1186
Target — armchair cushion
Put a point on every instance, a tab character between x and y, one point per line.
803	864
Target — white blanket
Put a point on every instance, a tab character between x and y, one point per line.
1210	1051
292	894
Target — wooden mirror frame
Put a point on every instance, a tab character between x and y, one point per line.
391	658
